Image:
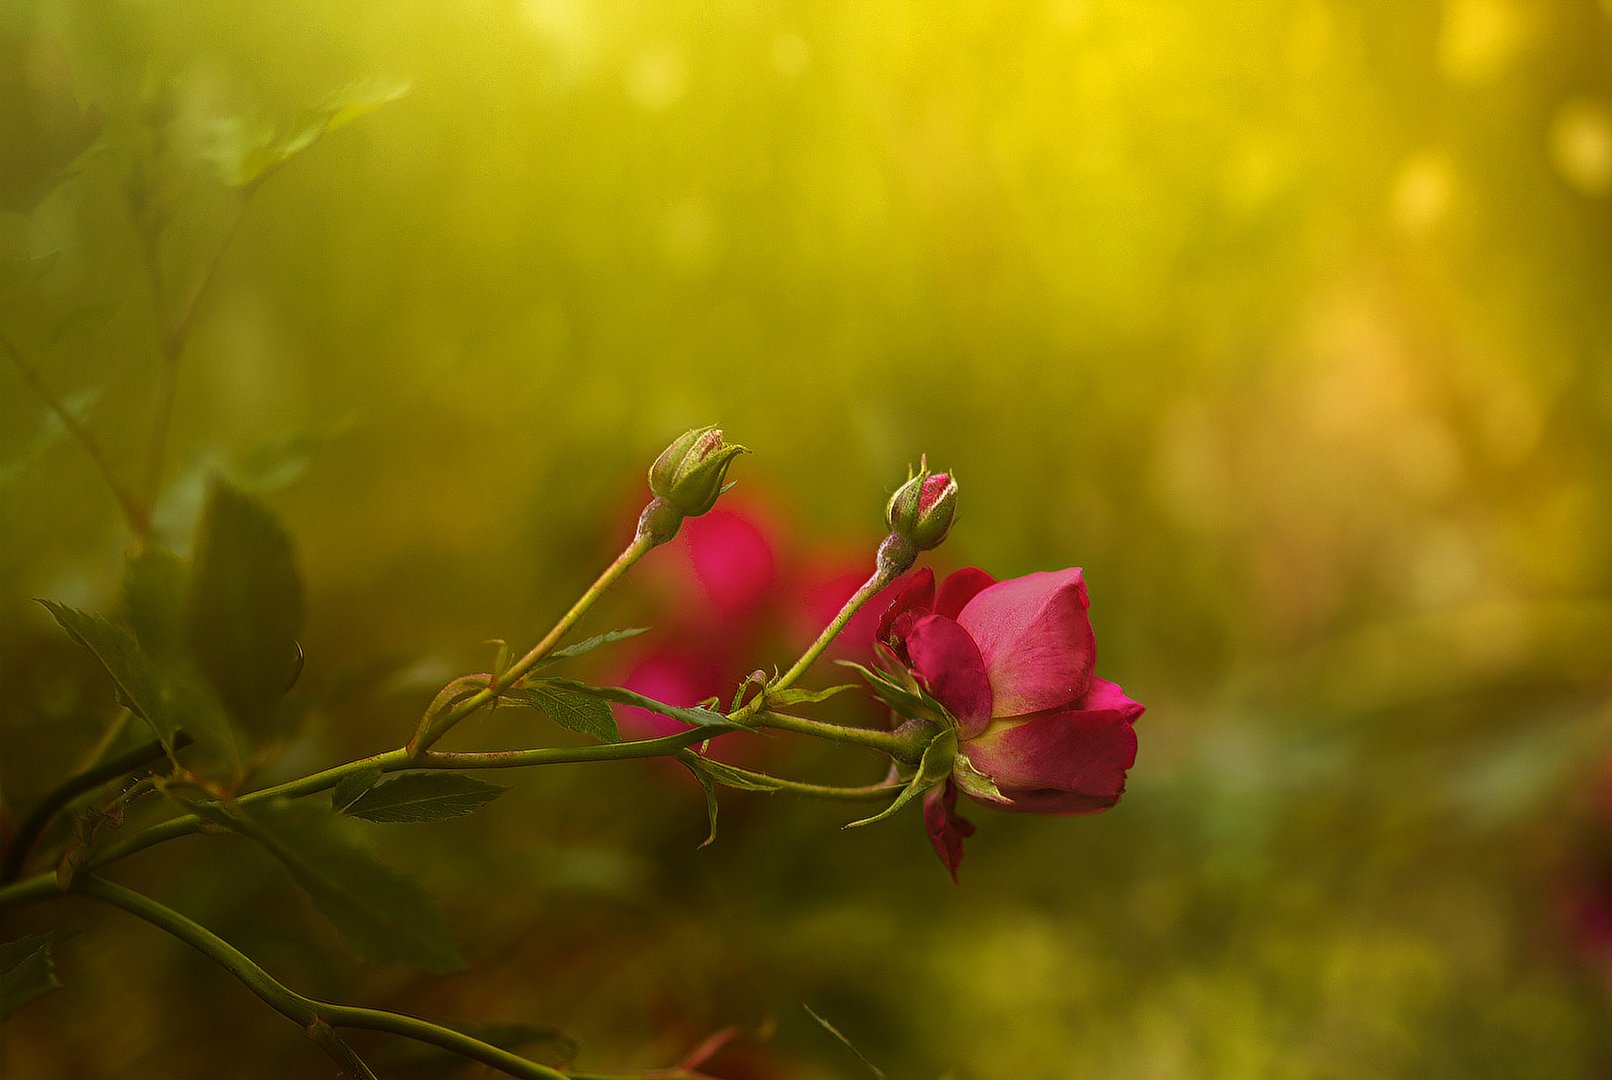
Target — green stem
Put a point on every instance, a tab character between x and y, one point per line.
391	761
897	746
313	1016
869	588
431	728
34	825
822	791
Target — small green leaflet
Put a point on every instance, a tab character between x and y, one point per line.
137	684
792	696
428	796
27	970
381	913
607	638
579	712
352	786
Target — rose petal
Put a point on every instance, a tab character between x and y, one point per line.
1107	695
915	595
1060	762
946	829
950	664
959	588
1036	640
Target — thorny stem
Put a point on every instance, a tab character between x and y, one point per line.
431	728
316	1018
136	513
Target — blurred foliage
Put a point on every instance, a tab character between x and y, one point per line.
1288	322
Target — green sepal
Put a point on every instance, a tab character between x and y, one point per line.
973	782
933	768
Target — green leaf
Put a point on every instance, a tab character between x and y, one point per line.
580	712
432	796
137	682
245	604
973	782
710	798
699	717
381	913
350	787
591	644
27	970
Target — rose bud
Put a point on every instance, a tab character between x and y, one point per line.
922	509
1012	662
689	473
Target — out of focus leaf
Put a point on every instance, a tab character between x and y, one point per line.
136	681
577	711
245	604
608	637
381	913
156	587
429	796
50	429
27	970
43	128
350	787
247	151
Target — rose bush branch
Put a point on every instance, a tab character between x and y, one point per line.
313	1016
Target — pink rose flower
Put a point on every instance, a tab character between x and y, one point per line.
1013	662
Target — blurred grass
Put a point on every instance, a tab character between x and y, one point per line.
1288	322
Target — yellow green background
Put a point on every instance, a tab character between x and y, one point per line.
1289	322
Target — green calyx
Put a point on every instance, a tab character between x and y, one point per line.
689	475
922	509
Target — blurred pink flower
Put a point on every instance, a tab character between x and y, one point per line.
1013	662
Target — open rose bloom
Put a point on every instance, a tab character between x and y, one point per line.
1013	663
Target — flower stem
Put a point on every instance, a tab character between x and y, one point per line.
870	587
432	728
136	513
316	1018
896	745
822	791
